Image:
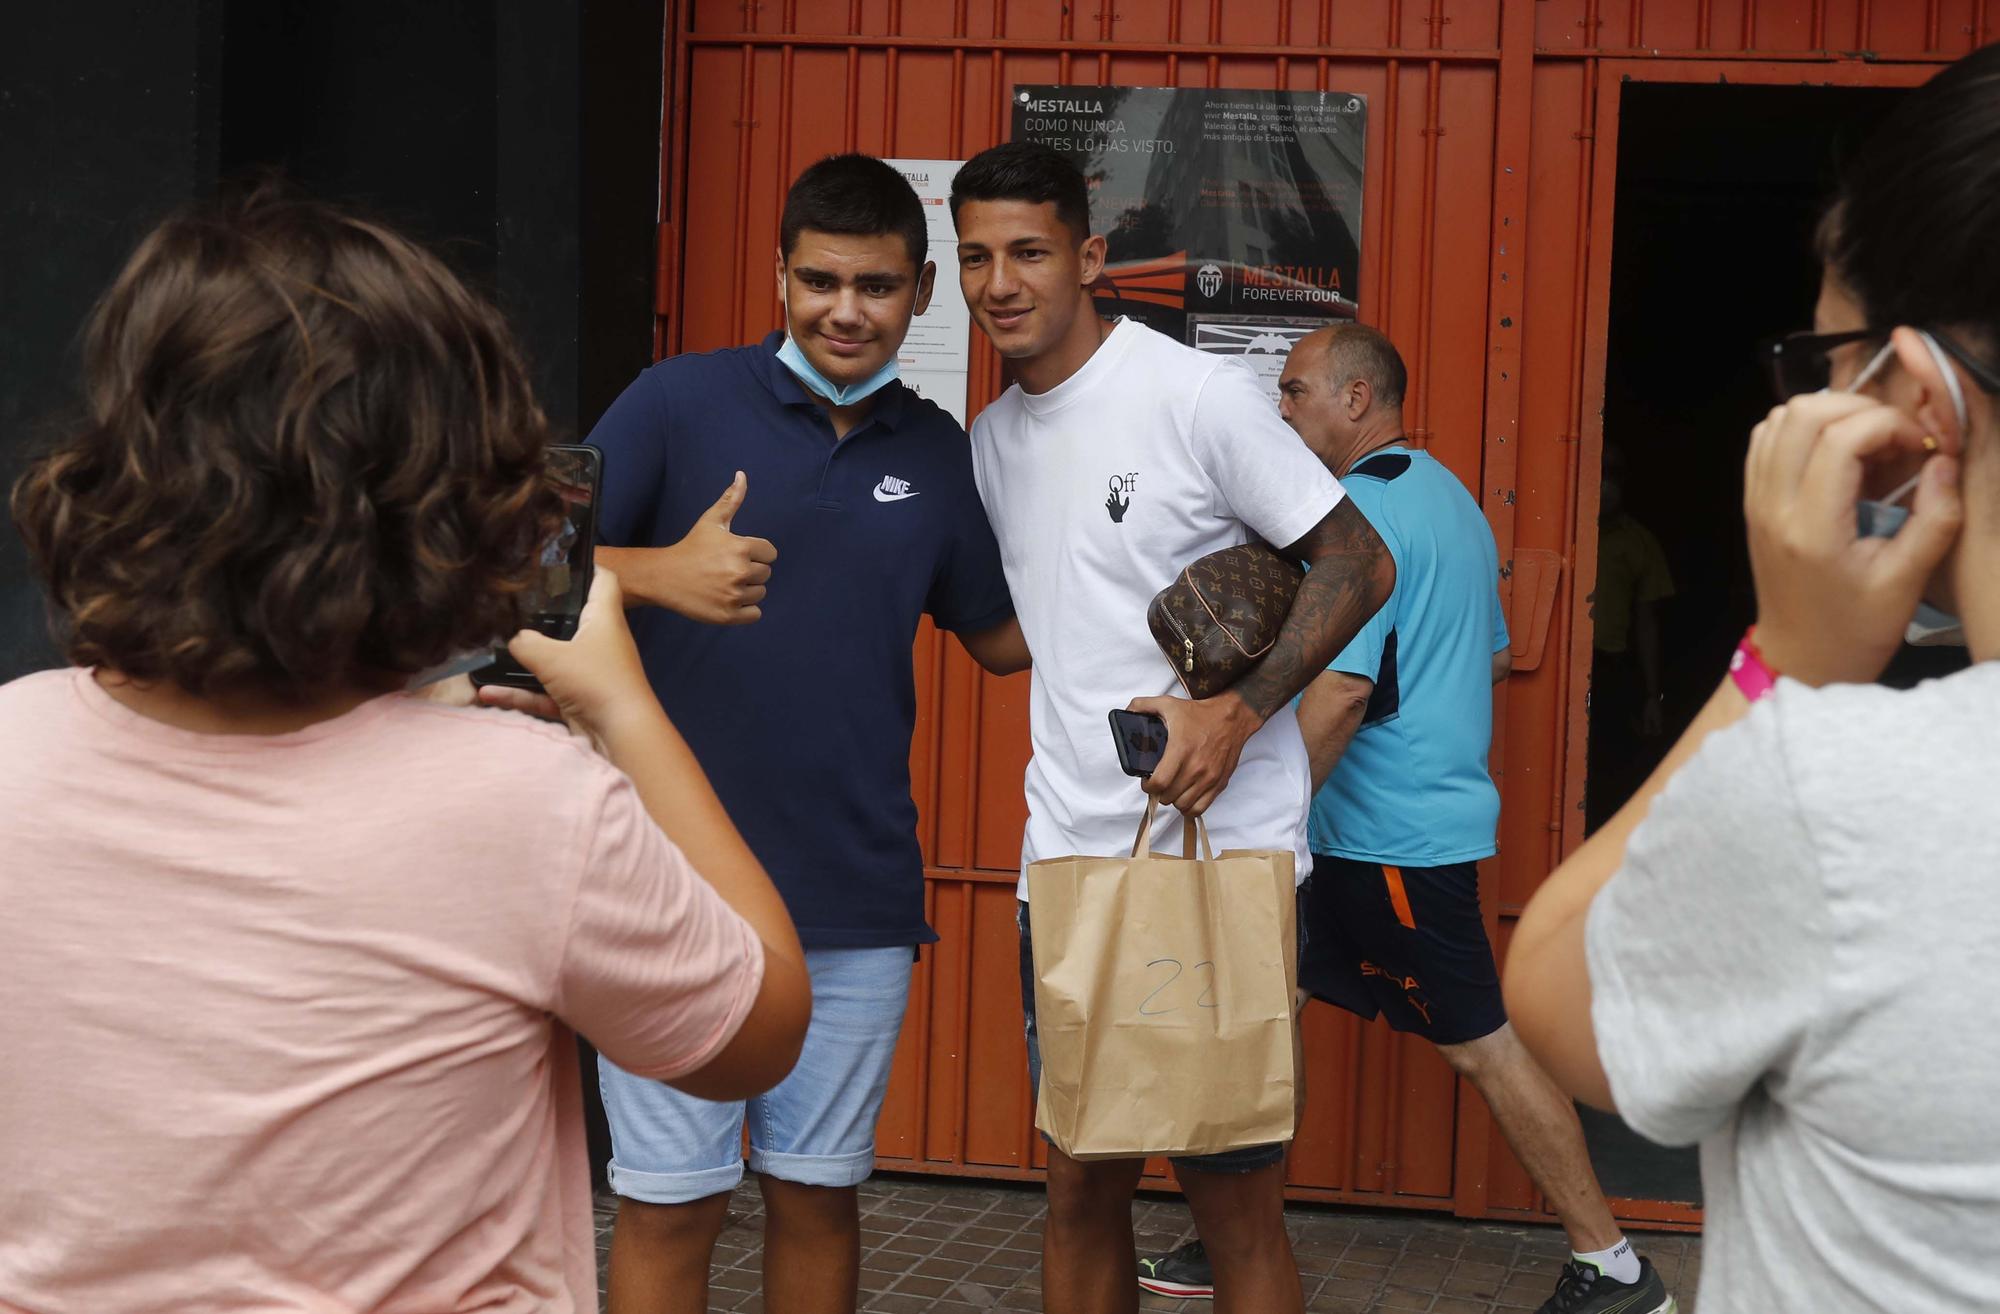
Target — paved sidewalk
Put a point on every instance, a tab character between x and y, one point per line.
955	1247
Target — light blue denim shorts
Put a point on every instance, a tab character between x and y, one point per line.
816	1127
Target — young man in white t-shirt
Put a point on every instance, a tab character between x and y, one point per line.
1117	457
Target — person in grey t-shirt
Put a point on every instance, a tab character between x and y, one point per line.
1786	946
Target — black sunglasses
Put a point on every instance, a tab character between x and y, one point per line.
1803	362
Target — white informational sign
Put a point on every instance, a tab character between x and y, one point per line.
938	352
1262	344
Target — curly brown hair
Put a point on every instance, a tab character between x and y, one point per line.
309	459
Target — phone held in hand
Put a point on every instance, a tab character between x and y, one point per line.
567	562
1141	738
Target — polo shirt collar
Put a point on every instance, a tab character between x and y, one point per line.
890	402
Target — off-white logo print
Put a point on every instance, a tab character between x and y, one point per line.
892	489
1121	495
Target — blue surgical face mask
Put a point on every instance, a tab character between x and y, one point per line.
1881	518
818	384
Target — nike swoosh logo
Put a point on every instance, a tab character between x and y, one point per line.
881	496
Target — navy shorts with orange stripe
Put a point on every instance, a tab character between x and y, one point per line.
1403	942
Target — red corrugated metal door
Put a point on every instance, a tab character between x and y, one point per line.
761	90
1482	114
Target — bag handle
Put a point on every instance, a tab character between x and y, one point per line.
1191	829
1145	826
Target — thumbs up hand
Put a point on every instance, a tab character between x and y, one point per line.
718	576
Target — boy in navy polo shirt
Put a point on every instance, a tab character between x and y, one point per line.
776	627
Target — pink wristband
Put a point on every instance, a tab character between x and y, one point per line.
1747	668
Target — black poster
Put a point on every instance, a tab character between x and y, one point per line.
1233	218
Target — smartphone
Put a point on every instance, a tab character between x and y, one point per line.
567	562
1141	738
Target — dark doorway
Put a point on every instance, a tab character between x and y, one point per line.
1719	189
522	139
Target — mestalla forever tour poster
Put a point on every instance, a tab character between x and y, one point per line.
1232	217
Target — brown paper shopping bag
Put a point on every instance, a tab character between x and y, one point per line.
1163	999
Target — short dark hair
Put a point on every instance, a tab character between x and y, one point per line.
856	196
1026	171
308	459
1915	221
1356	351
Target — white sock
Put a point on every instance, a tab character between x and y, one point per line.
1620	1263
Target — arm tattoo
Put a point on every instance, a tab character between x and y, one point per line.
1350	576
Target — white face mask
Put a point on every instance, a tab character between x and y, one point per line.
1881	518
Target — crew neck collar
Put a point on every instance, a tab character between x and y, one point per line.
1102	361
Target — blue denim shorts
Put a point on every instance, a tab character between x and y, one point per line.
1248	1159
816	1127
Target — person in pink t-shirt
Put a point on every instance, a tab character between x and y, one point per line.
291	957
